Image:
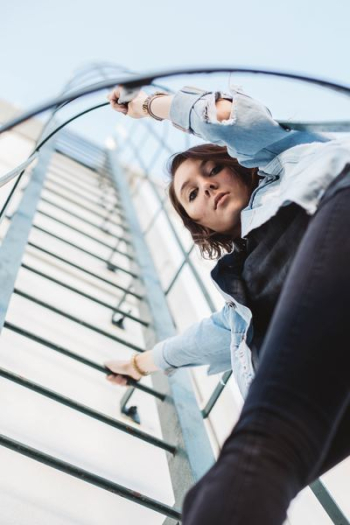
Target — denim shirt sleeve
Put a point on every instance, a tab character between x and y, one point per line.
204	343
250	134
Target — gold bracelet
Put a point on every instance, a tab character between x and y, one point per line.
136	366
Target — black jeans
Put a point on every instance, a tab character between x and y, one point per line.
295	422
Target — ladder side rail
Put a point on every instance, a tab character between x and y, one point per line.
180	417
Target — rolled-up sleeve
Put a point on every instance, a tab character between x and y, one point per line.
204	343
250	134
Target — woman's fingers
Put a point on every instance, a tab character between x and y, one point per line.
113	97
114	94
117	379
133	109
119	370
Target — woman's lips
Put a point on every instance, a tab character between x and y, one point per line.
221	199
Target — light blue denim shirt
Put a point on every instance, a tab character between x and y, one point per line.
294	167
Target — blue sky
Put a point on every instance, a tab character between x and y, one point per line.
43	42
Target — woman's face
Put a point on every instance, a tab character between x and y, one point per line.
211	195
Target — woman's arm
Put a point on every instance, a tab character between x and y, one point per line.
122	368
160	106
204	343
235	120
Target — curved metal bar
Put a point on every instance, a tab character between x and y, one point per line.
146	79
11	174
140	80
68	122
4	179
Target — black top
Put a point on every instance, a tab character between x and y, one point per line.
270	251
255	272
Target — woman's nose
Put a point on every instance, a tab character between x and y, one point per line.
209	187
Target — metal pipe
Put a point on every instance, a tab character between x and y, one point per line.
96	213
70	403
114	206
88	236
216	394
82	269
85	295
77	320
68	353
77	216
88	477
113	266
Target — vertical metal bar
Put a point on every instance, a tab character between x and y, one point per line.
13	246
178	272
126	397
216	394
154	218
328	503
194	271
180	416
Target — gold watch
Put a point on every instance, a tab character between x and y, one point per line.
146	106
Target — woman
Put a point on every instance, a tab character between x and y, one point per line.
281	213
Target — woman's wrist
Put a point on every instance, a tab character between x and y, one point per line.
136	366
141	365
160	106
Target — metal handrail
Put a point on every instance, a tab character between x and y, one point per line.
148	78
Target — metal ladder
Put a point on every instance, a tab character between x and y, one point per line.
100	200
102	194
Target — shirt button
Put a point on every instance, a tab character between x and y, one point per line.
231	305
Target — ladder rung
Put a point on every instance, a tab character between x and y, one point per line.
102	202
70	154
110	265
76	320
90	223
57	348
69	171
92	190
87	296
63	400
92	180
73	228
89	477
94	212
70	263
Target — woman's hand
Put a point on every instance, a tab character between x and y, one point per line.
119	370
133	109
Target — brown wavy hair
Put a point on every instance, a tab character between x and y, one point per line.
211	243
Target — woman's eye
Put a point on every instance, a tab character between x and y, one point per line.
192	195
215	170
